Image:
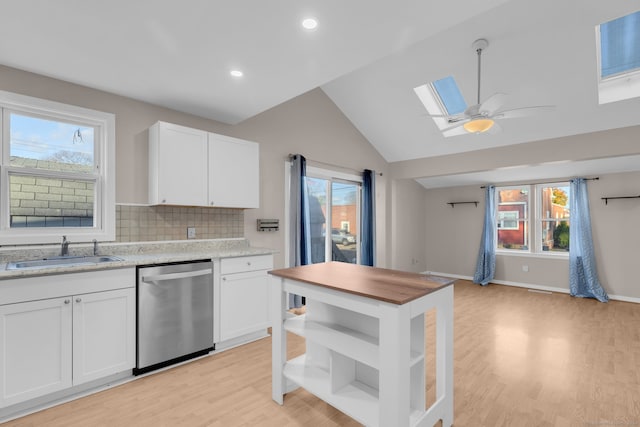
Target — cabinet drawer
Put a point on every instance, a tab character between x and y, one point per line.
246	263
55	286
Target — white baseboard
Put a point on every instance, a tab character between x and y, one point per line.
531	286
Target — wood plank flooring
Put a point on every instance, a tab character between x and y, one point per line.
521	359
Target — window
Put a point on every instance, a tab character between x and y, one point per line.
550	202
554	218
441	98
57	172
450	96
513	218
618	51
508	220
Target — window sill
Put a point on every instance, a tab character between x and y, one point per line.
557	256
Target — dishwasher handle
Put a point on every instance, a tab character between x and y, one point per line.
176	276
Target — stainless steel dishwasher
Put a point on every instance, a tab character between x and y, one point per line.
175	313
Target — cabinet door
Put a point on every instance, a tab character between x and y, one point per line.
35	349
234	172
103	334
177	165
244	304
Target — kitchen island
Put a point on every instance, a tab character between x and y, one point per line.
365	341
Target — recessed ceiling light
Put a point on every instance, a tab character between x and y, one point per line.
310	23
236	73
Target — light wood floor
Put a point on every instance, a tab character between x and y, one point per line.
521	359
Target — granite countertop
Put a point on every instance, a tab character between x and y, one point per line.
132	254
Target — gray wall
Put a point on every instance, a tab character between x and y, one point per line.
309	124
409	225
453	236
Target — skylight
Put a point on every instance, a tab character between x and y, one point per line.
450	95
620	45
442	98
618	48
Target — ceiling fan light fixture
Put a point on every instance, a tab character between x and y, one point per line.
478	125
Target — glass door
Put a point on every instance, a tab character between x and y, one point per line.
334	216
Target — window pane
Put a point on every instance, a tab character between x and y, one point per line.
317	197
50	202
512	221
555	214
344	229
450	95
620	45
50	145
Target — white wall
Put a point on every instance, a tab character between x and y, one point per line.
453	238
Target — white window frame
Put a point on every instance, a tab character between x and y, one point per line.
616	87
536	223
541	219
104	176
525	220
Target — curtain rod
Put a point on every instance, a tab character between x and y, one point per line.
332	165
548	182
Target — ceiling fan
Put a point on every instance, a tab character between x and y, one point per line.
482	117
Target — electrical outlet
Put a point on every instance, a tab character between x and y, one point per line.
191	232
525	268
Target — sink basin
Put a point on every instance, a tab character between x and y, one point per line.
62	261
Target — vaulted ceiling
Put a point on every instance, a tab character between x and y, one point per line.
366	55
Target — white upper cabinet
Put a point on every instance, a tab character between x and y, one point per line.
191	167
234	172
177	165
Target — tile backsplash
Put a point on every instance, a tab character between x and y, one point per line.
154	223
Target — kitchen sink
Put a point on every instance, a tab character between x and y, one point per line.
61	261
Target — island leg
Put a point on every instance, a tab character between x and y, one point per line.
278	339
444	353
395	347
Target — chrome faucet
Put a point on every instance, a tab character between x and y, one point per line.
64	248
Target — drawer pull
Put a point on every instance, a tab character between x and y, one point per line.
78	299
67	301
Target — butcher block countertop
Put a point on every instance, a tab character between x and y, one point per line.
392	286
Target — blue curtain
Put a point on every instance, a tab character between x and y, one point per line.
583	275
368	245
299	240
486	264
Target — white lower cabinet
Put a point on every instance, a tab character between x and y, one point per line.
53	344
103	334
35	350
244	295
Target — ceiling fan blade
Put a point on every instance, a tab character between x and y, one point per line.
523	112
494	129
454	130
459	124
491	105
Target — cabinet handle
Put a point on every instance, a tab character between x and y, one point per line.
164	200
78	299
248	262
212	203
67	301
224	278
